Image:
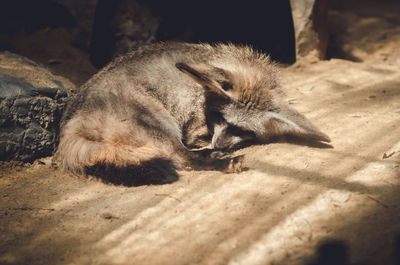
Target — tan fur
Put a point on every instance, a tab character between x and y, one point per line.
249	69
104	140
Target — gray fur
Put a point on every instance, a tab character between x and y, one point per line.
165	99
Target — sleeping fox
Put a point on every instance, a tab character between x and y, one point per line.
170	100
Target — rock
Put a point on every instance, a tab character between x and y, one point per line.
120	26
311	28
32	100
83	14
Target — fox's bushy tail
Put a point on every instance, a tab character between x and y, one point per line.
93	140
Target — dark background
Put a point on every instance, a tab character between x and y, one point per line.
96	27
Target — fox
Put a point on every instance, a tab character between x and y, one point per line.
186	103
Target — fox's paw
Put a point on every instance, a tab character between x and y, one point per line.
236	164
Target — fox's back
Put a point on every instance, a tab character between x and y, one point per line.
149	72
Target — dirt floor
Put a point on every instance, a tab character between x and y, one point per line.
297	202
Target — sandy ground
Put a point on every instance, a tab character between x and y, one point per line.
297	203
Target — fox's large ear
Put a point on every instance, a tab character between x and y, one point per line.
289	121
211	78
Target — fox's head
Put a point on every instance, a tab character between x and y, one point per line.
243	101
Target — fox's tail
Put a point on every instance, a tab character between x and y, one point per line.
86	142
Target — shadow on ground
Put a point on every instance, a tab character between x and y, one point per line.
154	172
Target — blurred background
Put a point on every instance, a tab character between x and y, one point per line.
77	37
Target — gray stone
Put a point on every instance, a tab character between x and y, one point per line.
311	28
120	26
32	100
83	14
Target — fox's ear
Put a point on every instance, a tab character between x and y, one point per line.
211	78
289	121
